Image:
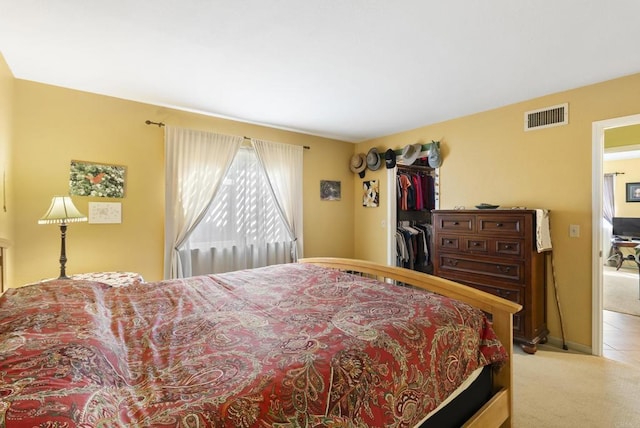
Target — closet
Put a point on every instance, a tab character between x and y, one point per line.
416	190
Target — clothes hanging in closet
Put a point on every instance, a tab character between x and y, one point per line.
415	191
413	245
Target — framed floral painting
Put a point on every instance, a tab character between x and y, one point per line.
98	180
370	193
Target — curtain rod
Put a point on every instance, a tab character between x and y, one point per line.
160	124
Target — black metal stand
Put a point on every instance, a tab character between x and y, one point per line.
63	253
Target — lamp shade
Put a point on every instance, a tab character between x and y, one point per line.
63	211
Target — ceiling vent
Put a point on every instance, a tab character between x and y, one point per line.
547	117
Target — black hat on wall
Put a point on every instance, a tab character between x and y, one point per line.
390	158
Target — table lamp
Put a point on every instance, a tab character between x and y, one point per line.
62	211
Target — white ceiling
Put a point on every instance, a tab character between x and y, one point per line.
345	69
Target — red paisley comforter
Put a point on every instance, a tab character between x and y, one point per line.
282	346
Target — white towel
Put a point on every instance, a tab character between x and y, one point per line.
543	234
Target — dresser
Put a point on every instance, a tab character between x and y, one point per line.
495	251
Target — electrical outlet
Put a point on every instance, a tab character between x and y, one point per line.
574	231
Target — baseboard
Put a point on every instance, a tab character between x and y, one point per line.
578	347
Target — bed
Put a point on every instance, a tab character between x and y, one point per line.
325	342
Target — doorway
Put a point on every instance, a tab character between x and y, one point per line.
597	263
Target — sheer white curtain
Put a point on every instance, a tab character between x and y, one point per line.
608	212
282	164
243	227
608	201
195	163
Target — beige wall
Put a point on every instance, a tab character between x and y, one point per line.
630	169
488	157
53	125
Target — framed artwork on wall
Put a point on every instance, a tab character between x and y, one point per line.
633	192
95	179
330	190
105	212
370	193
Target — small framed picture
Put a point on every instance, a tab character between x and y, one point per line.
633	192
329	190
105	212
370	193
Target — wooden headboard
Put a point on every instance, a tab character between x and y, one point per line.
4	243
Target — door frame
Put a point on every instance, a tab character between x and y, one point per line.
597	134
392	202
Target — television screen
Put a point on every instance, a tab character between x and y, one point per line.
628	227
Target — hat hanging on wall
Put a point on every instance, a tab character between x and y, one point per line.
390	158
358	164
373	159
434	155
410	153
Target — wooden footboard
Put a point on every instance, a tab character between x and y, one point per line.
498	411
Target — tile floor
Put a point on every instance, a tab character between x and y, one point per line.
621	337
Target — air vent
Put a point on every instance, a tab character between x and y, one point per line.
547	117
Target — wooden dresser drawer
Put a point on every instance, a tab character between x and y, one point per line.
476	245
513	294
501	225
508	247
463	223
505	270
449	242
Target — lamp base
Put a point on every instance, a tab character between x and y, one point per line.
63	251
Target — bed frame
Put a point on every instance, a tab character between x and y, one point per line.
498	410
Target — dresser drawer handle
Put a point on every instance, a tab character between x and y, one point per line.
499	224
503	269
476	244
452	262
449	241
455	223
507	247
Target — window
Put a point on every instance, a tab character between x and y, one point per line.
242	227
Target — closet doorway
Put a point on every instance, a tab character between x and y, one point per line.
392	209
598	252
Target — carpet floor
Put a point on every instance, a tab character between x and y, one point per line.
556	388
620	290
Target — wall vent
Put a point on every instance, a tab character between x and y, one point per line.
547	117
